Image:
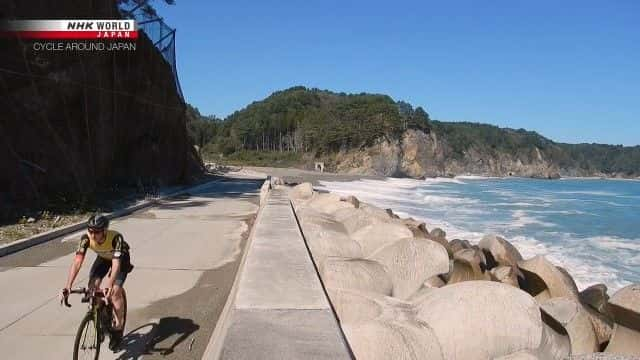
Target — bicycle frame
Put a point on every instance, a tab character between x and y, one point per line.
100	312
97	307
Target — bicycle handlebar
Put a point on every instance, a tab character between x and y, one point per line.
84	291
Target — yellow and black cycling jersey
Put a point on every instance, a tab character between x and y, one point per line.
114	246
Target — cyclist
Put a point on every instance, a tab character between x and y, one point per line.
112	263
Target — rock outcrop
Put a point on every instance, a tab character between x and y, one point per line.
357	274
575	321
406	262
468	264
499	251
625	306
505	274
418	154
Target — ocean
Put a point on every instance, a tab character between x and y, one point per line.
590	227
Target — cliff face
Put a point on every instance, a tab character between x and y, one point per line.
418	154
76	122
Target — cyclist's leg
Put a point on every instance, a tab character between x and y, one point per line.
118	305
117	296
117	299
99	269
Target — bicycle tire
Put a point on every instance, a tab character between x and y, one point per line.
87	322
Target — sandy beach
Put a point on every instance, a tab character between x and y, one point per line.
292	175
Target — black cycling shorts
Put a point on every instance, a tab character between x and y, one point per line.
101	267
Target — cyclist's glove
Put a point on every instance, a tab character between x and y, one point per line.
63	295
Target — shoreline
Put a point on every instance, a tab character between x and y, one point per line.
551	227
294	175
377	265
314	176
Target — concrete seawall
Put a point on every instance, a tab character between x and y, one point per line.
279	310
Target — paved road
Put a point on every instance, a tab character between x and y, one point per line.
186	253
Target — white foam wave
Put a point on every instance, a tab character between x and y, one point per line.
583	270
612	203
431	190
524	204
560	212
615	243
505	193
404	182
584	273
593	193
522	219
599	259
378	197
476	177
445	200
440	180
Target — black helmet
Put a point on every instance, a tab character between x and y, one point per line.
98	222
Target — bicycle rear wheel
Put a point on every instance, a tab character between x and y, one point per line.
87	343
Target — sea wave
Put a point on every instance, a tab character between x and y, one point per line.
504	193
476	177
404	182
524	204
612	203
441	180
560	212
593	193
445	200
585	272
521	218
526	221
615	243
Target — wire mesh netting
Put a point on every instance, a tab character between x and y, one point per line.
161	34
81	129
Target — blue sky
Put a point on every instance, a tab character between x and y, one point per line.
567	69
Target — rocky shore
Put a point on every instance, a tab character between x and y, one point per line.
402	291
418	155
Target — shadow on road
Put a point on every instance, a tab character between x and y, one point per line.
233	189
157	338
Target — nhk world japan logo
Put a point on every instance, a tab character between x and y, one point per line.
70	29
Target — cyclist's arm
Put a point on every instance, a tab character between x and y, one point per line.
115	270
115	261
77	261
74	269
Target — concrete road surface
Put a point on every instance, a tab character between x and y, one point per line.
186	253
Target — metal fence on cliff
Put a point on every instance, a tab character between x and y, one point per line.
162	35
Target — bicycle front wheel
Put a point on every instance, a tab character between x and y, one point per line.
87	343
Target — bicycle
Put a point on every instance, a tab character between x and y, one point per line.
95	324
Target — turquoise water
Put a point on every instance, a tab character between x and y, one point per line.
590	227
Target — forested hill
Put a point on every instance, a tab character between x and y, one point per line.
313	120
372	133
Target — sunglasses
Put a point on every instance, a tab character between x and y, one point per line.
95	231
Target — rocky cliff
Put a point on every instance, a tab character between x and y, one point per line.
74	122
419	154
